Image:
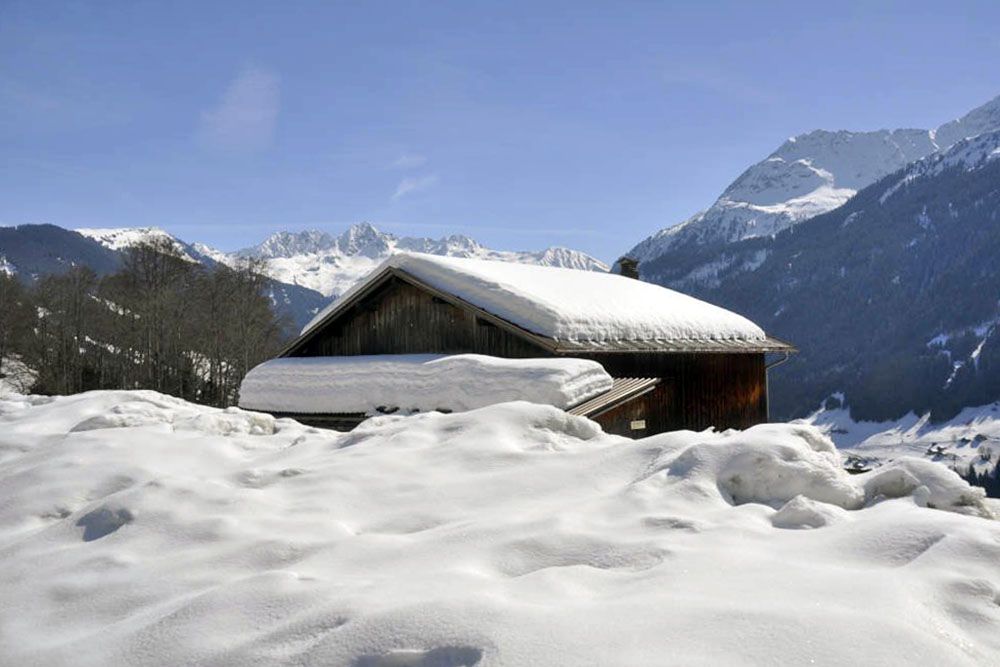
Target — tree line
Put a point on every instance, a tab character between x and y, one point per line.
161	322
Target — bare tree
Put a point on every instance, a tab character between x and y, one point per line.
162	322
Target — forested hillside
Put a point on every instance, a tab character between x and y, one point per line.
160	322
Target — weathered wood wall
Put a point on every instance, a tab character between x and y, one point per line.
699	390
400	318
619	420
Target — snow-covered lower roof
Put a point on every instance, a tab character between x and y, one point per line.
567	304
417	383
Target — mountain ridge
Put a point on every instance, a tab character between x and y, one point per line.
807	175
330	264
892	298
308	267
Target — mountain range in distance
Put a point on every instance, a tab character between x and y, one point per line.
308	268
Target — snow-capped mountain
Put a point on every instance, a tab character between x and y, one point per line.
331	264
806	176
310	267
968	154
122	238
31	251
892	298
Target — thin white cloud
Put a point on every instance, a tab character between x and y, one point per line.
411	185
246	114
409	161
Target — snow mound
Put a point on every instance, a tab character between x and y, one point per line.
417	383
802	512
146	412
567	304
509	535
763	465
930	484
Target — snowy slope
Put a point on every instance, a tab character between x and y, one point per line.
32	251
123	238
568	304
968	154
971	438
138	529
331	264
810	174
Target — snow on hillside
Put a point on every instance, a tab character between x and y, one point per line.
971	438
138	529
810	174
330	265
968	154
123	238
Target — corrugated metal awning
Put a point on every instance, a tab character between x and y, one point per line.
623	389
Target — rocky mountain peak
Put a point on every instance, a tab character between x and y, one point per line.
363	239
290	244
810	174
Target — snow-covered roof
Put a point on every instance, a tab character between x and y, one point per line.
417	383
566	304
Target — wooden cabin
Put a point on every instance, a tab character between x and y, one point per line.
678	363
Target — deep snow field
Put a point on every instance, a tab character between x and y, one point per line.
137	529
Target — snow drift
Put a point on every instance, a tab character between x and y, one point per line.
139	529
417	383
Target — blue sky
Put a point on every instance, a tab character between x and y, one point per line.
589	125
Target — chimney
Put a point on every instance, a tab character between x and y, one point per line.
626	266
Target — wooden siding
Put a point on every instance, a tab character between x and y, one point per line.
619	420
699	390
400	318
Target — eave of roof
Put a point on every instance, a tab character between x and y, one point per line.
769	344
